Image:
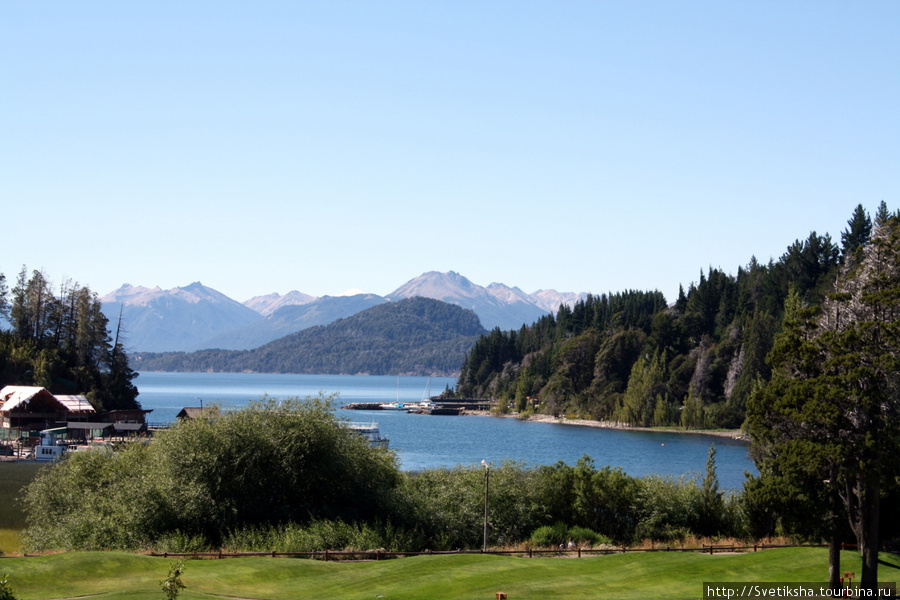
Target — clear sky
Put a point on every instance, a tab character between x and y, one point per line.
323	145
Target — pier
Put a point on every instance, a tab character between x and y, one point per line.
450	406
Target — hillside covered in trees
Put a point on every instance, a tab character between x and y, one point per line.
634	358
62	342
416	336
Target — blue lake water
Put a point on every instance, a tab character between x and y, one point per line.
426	441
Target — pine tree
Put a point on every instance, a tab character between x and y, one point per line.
832	405
712	503
859	227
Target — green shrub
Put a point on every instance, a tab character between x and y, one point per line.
319	535
6	591
587	537
271	462
550	536
554	536
178	542
172	585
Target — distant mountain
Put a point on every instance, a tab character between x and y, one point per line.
293	318
414	336
268	304
196	317
497	305
551	300
177	319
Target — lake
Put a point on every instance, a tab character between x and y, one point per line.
428	441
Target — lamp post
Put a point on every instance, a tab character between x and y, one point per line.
487	476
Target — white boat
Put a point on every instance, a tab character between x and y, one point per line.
393	406
371	432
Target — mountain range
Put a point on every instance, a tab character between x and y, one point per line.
412	336
197	317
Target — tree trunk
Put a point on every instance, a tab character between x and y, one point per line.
871	510
834	547
865	513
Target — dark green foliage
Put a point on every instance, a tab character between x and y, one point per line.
271	463
550	536
287	477
61	342
606	501
859	228
712	507
412	336
709	346
826	425
6	591
582	536
447	505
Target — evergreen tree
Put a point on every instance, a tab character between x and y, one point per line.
832	405
646	387
693	415
859	227
712	504
882	215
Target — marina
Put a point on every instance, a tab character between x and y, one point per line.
423	441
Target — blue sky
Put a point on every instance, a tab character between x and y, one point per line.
320	146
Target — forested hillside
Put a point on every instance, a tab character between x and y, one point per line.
62	342
633	358
416	336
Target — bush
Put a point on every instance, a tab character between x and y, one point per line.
445	507
587	537
6	591
172	585
550	536
317	536
178	542
272	462
554	536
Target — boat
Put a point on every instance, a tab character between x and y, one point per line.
370	432
426	405
393	406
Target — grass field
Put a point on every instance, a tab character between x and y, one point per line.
13	476
118	575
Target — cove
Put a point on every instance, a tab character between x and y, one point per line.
428	441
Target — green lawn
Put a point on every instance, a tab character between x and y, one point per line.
119	575
13	477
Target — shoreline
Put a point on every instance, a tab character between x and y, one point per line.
735	434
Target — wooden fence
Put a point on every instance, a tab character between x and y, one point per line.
327	555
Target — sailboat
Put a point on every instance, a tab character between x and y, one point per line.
426	403
394	405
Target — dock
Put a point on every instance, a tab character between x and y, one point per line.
433	406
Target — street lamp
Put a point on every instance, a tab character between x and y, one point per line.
487	476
